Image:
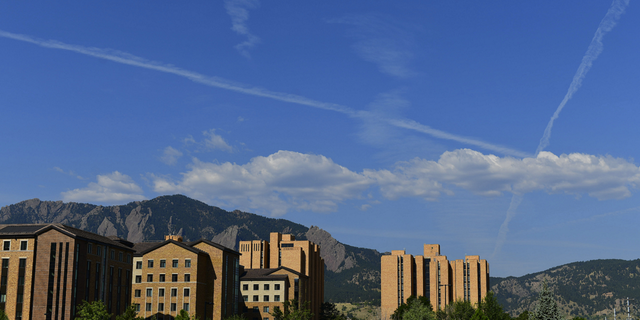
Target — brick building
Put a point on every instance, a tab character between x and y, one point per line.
47	270
265	289
201	277
431	275
283	250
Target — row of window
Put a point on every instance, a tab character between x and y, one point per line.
6	245
163	263
266	286
162	277
174	292
265	298
173	307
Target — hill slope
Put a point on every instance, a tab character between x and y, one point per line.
352	275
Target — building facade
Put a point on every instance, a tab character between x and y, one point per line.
283	250
263	290
200	277
431	275
47	270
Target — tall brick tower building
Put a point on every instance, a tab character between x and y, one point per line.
431	275
283	250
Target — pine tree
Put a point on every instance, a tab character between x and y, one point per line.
547	308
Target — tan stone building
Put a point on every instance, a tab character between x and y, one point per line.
266	289
47	270
200	277
283	250
433	276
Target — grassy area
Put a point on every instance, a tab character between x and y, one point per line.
360	311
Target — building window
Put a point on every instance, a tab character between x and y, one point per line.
256	287
161	278
174	263
23	245
245	298
6	245
245	287
148	307
149	277
161	292
256	309
149	292
138	279
286	245
160	306
120	256
185	306
266	286
150	264
174	292
276	286
138	265
265	318
163	263
187	291
99	250
265	309
265	298
174	277
173	307
276	298
137	293
187	277
22	263
113	255
137	305
255	298
89	248
187	263
128	258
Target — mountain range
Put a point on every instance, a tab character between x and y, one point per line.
590	289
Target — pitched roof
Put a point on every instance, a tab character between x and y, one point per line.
33	230
213	244
142	249
267	274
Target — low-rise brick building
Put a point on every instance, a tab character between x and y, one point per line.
266	289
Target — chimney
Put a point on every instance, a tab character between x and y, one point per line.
173	237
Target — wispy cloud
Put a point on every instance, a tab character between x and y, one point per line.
214	141
70	173
383	41
595	48
110	188
289	180
128	59
593	51
170	156
238	10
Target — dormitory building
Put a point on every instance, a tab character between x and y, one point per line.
47	270
433	276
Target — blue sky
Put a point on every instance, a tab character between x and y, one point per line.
388	125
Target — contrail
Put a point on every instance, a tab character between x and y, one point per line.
595	48
593	51
217	82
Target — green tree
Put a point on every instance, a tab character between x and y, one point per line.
547	307
492	309
460	310
129	314
3	315
479	315
525	316
95	310
184	315
328	311
399	313
291	310
417	310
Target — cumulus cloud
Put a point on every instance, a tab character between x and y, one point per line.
278	183
601	177
289	180
110	188
238	10
382	41
170	156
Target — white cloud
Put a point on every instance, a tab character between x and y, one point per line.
238	10
214	141
170	156
382	41
71	173
278	183
110	188
601	177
